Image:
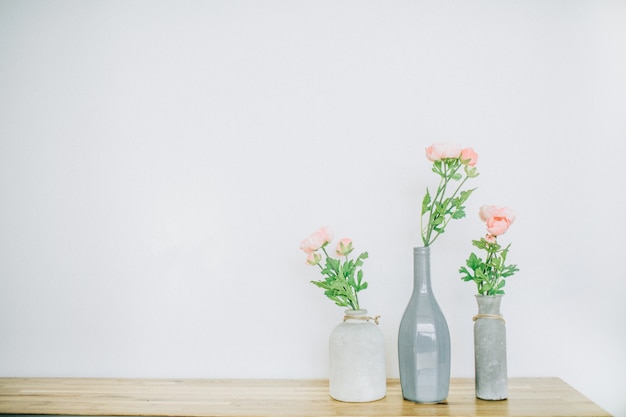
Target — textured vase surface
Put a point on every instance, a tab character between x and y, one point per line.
423	339
490	349
357	359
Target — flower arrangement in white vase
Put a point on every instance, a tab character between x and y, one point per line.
356	346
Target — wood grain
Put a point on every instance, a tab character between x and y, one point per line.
235	398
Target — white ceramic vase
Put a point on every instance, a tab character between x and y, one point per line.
357	359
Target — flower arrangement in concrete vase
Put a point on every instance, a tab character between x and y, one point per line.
490	275
356	346
423	337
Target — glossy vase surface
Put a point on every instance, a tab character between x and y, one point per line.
423	339
490	349
357	359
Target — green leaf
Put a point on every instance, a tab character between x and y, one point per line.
464	195
480	244
332	264
509	270
465	274
437	168
426	202
320	284
440	210
459	214
471	172
474	261
351	281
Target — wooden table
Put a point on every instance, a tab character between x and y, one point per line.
197	397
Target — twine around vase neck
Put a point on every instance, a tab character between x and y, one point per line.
488	316
363	318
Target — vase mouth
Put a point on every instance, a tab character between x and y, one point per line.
354	313
488	296
421	249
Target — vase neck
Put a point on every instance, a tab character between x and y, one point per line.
421	269
356	316
489	304
355	313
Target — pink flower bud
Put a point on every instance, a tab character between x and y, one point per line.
490	239
469	157
344	247
313	258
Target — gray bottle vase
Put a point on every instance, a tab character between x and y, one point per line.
423	340
490	349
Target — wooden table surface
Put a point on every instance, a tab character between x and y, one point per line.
213	397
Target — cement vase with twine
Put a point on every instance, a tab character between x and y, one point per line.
357	359
423	339
490	349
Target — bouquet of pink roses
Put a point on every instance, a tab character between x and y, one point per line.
489	274
340	283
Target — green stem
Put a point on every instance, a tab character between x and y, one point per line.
458	188
352	299
443	183
319	263
354	303
450	217
492	273
439	197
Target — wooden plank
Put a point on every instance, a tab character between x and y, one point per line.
297	398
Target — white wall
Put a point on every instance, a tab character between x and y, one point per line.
160	163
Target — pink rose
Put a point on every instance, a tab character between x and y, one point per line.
498	219
497	226
344	247
490	239
469	157
506	213
316	240
486	212
439	151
